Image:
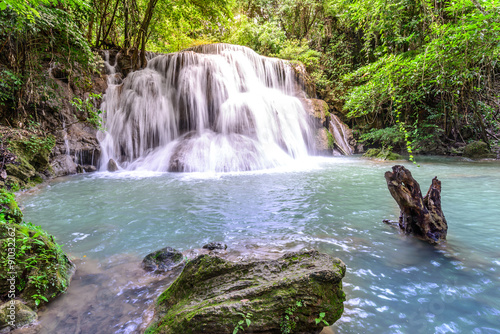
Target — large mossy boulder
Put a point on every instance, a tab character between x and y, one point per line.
478	150
34	268
212	295
42	271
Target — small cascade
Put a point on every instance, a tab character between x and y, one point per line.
341	133
66	141
215	107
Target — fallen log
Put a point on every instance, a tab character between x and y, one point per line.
419	216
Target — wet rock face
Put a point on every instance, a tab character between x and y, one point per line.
211	292
112	166
162	260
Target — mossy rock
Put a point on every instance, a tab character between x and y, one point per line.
32	158
162	260
15	314
9	207
211	294
383	154
477	150
42	269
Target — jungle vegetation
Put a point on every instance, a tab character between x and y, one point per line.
405	73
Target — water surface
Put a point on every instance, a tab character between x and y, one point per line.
394	283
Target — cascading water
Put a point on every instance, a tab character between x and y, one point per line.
215	107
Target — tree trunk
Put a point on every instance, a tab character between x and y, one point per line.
420	216
139	55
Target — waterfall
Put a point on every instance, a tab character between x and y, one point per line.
215	107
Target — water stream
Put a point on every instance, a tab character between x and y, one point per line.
394	283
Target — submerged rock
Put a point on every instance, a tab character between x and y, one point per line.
215	245
162	260
211	294
15	314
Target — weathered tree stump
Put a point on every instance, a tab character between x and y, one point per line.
420	216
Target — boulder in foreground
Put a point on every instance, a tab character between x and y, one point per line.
212	295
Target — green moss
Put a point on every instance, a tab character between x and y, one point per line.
9	208
42	269
32	157
197	302
383	154
477	150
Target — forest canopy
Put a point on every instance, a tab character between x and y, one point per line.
409	74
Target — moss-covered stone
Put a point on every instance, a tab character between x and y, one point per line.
9	207
478	150
383	154
39	268
31	153
162	260
15	314
211	294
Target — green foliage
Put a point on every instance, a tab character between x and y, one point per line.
321	319
390	136
87	107
288	322
35	35
38	261
429	64
246	321
266	38
10	82
36	144
331	140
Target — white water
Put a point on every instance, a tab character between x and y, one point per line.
211	108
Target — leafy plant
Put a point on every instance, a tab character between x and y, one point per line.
87	106
245	321
288	322
321	319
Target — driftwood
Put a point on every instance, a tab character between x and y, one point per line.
420	216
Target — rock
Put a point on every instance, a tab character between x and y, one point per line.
15	314
342	135
112	166
419	216
477	150
215	245
209	293
9	207
162	260
63	165
383	154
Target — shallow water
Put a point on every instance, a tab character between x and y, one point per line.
394	283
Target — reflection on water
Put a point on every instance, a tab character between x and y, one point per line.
394	283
